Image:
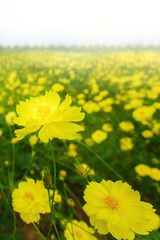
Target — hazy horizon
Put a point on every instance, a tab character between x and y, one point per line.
85	22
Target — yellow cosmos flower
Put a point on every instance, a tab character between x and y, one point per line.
91	107
33	140
147	134
98	98
106	102
155	174
99	136
156	128
104	93
80	96
142	170
62	174
116	208
84	169
81	102
107	127
14	141
72	150
1	110
144	113
156	105
133	103
57	197
54	120
126	144
70	202
86	91
126	126
78	230
10	117
30	199
57	87
42	80
89	142
107	108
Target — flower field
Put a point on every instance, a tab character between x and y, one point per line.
79	145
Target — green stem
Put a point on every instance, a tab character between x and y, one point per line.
14	226
64	195
12	179
29	167
72	231
3	195
13	157
50	225
69	230
9	181
86	178
55	227
66	146
100	158
91	177
54	171
38	231
54	189
76	160
52	219
73	195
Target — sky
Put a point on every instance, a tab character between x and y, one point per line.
80	22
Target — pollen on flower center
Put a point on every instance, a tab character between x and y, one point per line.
78	234
142	113
111	202
43	111
29	195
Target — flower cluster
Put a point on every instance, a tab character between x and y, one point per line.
143	170
120	96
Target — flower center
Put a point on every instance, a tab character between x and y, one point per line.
29	195
78	234
111	202
43	111
142	113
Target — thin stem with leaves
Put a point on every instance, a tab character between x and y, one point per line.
52	200
38	231
100	158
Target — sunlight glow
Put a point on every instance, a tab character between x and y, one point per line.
79	22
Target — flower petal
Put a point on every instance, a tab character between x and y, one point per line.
61	130
21	133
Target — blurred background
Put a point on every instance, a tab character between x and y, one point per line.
91	22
